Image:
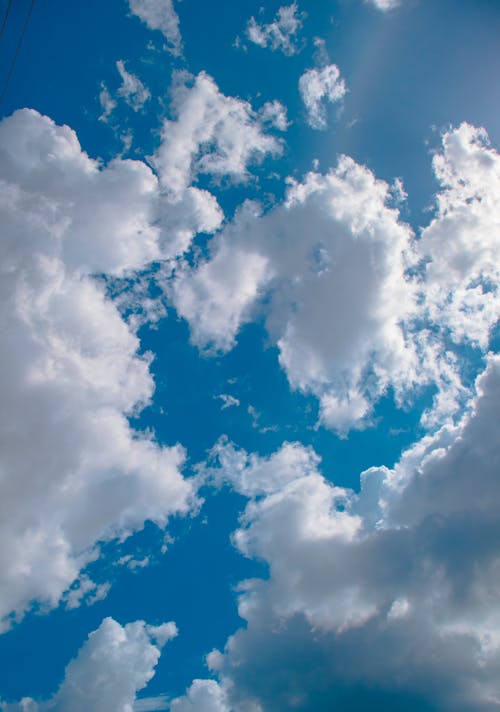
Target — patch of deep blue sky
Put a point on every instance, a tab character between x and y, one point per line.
428	64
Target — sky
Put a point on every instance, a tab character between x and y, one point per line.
250	382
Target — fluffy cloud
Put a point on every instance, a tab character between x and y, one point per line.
354	301
384	597
213	134
111	667
317	86
331	261
160	15
281	34
203	695
73	470
219	295
274	114
462	244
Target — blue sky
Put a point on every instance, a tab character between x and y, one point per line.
250	294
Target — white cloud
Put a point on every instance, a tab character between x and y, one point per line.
228	400
354	301
388	596
108	104
87	591
132	90
160	15
219	296
318	86
202	696
73	470
282	33
331	262
384	4
213	134
111	667
461	245
275	114
184	214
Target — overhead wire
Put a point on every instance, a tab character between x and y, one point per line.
5	18
18	48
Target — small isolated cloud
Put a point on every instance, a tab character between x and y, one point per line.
108	104
228	401
282	33
320	86
160	15
111	667
384	4
213	134
132	90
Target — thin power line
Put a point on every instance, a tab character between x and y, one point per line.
5	18
16	53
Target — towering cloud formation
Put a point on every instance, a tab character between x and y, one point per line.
71	369
389	595
73	470
111	667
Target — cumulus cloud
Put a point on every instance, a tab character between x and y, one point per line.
218	296
320	86
73	470
160	15
206	695
354	300
132	90
274	114
331	262
461	245
184	214
111	667
212	134
282	33
72	373
384	597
